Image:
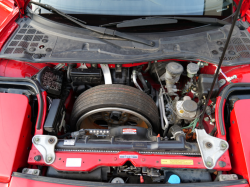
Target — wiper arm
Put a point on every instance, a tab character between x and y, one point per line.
205	20
100	30
164	20
143	22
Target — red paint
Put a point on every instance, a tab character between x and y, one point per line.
15	133
93	160
13	68
239	138
4	184
8	15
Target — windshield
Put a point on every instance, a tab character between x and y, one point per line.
140	7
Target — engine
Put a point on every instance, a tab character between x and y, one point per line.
129	124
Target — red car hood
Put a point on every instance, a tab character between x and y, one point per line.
22	4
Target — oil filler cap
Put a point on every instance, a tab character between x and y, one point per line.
189	106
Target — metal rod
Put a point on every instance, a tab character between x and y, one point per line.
220	62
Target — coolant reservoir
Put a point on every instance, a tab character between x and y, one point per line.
186	109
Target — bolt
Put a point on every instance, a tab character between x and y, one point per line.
209	164
35	172
49	159
37	139
115	159
48	50
143	159
99	160
32	49
25	170
213	120
118	65
209	144
235	176
224	177
51	140
214	52
219	42
37	158
223	145
222	164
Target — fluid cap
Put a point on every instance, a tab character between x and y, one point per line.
189	106
192	69
172	178
174	68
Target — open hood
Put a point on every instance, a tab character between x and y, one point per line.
22	4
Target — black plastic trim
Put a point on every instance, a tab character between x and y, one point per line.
86	183
179	144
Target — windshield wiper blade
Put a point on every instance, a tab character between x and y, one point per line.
100	30
163	20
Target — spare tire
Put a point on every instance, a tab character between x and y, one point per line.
117	96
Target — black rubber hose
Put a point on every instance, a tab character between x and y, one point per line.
144	84
28	83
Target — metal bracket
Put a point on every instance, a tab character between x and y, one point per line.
134	75
46	146
106	73
83	66
59	66
31	171
211	148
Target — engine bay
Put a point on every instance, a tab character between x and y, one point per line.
133	123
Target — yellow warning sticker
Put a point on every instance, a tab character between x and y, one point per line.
177	162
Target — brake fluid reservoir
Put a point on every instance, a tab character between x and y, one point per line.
186	109
172	75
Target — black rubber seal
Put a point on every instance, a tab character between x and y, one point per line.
224	95
27	82
87	183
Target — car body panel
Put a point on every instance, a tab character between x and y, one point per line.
15	133
239	141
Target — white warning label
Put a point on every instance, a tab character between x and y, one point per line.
129	131
129	156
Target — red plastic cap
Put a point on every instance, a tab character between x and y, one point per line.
141	179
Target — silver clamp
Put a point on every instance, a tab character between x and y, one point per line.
46	146
211	148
